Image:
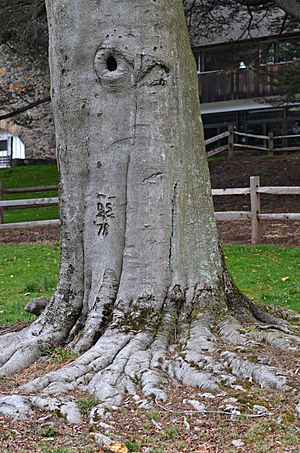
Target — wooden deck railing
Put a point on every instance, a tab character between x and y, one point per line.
255	214
230	84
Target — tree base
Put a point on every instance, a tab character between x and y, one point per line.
139	355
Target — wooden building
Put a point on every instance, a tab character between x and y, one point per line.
244	72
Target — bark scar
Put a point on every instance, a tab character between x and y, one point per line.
151	178
173	216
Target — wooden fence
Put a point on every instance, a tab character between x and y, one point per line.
255	214
266	145
25	203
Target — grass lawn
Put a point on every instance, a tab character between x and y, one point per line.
29	176
267	274
26	271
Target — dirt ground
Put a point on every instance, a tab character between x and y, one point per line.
170	427
277	171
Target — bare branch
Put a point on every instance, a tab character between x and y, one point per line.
291	7
254	2
25	108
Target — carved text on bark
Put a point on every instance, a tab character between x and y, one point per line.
103	214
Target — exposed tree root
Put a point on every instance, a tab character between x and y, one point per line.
138	355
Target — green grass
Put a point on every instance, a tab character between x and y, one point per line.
267	274
29	176
26	271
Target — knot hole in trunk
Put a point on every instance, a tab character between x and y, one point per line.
113	68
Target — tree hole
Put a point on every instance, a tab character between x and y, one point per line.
111	63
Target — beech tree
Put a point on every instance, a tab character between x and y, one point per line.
143	294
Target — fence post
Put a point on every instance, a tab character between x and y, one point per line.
1	197
255	210
230	143
271	143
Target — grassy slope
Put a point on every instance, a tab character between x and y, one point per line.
28	176
265	273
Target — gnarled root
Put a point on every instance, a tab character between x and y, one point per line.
200	344
191	346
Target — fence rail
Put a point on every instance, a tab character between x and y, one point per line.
30	189
25	203
232	143
255	214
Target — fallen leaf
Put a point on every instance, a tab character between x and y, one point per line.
117	447
285	278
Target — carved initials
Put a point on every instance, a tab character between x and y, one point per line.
103	214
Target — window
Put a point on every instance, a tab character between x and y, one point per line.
294	111
230	56
3	145
288	50
281	51
263	114
220	118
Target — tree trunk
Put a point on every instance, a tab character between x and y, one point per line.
137	216
142	292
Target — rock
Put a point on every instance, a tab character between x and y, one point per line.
207	395
259	410
230	400
101	440
37	305
231	409
297	410
108	445
238	443
144	404
105	426
200	407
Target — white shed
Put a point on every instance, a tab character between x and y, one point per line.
11	147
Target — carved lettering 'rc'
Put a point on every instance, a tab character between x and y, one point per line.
103	214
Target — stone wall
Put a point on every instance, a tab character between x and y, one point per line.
23	81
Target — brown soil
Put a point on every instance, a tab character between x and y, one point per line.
276	171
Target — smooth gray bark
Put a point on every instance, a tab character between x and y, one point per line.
137	215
